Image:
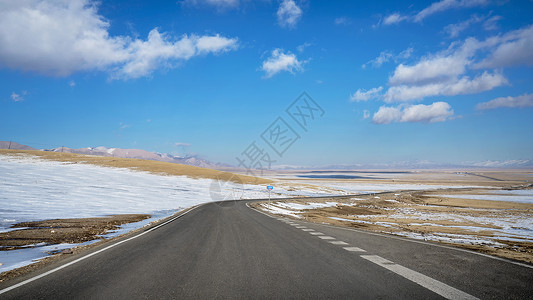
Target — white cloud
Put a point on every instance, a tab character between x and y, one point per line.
63	37
366	114
18	97
429	69
342	21
456	86
280	61
436	112
362	95
513	48
123	126
444	5
491	23
288	13
386	115
454	30
386	56
383	57
72	83
302	47
434	8
525	100
405	53
219	4
394	18
158	51
443	73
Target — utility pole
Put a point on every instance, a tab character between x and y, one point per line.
9	145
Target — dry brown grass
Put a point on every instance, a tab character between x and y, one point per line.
155	167
415	212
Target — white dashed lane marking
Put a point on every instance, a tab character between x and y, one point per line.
429	283
339	243
354	249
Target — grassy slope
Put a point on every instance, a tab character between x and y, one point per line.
156	167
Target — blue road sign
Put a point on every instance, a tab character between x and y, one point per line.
269	187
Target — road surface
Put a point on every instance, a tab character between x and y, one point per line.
228	250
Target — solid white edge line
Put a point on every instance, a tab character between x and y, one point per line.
429	283
94	253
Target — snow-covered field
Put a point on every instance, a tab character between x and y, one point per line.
521	196
502	226
293	209
361	188
33	189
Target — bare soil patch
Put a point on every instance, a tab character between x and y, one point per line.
60	231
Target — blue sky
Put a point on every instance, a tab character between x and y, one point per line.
447	81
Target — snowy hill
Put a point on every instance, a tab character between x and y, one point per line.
141	154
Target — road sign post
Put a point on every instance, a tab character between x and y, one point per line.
269	188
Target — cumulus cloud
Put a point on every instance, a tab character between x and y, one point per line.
445	73
281	61
429	69
525	100
363	95
366	114
456	86
288	13
158	51
513	48
62	37
436	112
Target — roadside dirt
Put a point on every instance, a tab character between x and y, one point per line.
60	231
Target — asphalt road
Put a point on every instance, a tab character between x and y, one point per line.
227	250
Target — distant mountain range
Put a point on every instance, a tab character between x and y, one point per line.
125	153
14	146
199	162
